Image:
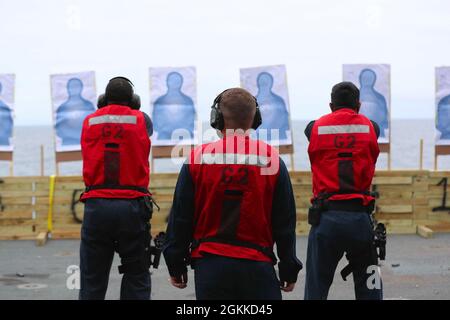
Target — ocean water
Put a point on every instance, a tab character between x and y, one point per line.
406	135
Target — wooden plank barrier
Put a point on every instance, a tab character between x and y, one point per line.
405	205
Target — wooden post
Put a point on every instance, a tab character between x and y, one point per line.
66	156
386	148
152	161
292	162
290	149
42	160
421	155
435	160
51	196
7	156
424	231
166	152
41	239
443	150
390	120
389	160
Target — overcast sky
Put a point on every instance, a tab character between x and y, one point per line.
312	38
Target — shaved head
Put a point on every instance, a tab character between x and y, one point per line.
238	107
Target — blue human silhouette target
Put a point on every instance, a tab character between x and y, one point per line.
373	103
73	98
268	84
443	105
374	84
173	96
6	111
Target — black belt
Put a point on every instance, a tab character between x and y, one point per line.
117	187
353	205
265	250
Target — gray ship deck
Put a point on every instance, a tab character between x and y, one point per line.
423	271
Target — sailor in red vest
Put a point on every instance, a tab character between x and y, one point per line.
233	201
343	151
115	145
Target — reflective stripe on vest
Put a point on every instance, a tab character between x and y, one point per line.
350	128
235	158
112	119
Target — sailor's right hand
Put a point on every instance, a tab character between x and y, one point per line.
287	287
179	282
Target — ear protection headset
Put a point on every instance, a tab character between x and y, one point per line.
134	103
216	118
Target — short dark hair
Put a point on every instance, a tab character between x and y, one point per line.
238	108
345	94
119	90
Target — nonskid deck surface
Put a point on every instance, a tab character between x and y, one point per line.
416	268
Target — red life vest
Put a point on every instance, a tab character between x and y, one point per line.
234	181
343	151
115	146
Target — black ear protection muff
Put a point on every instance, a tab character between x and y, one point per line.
216	117
134	103
257	120
101	101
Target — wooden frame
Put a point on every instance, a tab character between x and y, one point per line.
386	148
8	156
162	152
440	150
66	156
288	149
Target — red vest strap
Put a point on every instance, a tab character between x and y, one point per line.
265	250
